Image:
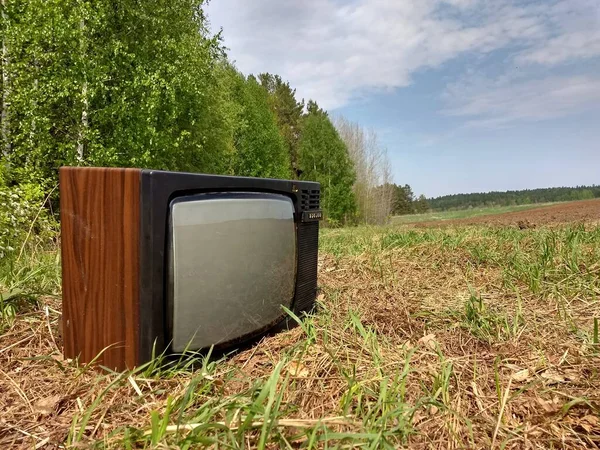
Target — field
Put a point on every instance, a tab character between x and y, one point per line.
551	213
480	332
444	216
543	213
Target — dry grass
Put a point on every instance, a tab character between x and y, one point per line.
472	337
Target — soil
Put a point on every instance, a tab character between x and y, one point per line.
568	212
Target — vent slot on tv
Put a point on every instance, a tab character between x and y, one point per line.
310	199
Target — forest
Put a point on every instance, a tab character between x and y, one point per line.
146	84
510	198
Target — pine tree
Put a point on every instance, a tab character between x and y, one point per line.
421	205
288	112
404	201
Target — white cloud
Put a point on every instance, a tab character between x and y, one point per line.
336	51
500	102
530	89
462	3
566	47
575	27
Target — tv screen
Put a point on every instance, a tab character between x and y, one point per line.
232	265
157	262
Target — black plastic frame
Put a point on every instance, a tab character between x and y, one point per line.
158	189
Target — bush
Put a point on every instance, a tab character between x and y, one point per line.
23	219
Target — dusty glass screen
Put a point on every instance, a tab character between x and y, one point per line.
232	259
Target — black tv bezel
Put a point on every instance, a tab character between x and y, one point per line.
158	190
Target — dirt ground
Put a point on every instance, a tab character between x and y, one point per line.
398	350
568	212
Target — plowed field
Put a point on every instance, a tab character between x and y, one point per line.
579	211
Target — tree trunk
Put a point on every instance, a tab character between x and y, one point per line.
84	100
34	104
84	123
6	138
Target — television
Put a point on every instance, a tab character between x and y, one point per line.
158	262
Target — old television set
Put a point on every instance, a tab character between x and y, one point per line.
158	262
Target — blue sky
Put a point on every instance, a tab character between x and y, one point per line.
466	95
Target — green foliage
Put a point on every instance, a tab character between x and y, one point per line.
27	231
404	200
43	69
288	112
324	158
260	149
23	219
164	109
127	85
146	85
421	205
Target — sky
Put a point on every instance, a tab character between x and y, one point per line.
466	95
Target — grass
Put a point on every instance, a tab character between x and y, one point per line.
462	214
465	337
24	279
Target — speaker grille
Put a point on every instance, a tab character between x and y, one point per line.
306	275
310	199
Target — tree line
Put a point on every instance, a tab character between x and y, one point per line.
145	84
510	198
404	201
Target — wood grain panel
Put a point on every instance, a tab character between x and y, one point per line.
100	239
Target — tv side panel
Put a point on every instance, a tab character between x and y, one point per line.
100	239
307	266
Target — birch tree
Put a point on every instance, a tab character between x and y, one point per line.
6	89
373	186
85	104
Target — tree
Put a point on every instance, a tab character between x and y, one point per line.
507	198
323	157
288	112
260	149
145	84
44	72
404	200
160	104
372	188
421	205
104	83
5	113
